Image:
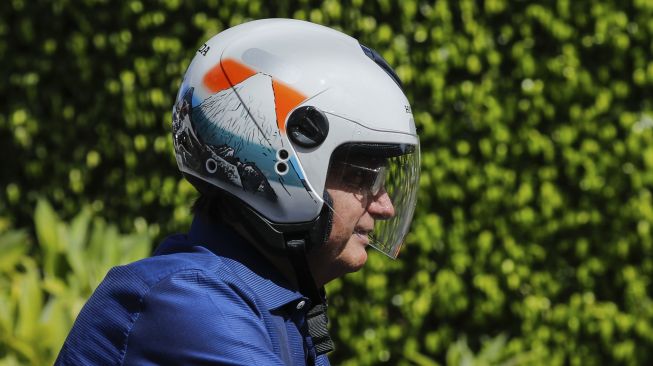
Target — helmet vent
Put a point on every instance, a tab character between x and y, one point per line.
211	165
281	168
282	154
307	127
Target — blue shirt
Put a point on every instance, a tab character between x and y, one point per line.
206	298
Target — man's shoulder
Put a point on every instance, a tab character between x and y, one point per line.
135	297
126	288
152	270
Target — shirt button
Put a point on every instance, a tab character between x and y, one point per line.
301	304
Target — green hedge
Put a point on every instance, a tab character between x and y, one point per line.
536	120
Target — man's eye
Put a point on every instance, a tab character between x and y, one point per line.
357	177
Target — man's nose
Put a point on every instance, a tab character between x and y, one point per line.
381	206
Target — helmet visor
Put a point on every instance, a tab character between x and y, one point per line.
384	180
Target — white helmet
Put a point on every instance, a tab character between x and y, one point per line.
265	105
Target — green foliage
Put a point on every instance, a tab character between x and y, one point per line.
42	294
536	122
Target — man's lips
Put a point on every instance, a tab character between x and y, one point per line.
362	234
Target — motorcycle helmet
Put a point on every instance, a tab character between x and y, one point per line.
266	108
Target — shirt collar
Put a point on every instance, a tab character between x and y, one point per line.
245	260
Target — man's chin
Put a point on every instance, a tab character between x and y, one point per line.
358	255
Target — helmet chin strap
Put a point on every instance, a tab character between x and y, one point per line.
319	233
316	317
296	241
297	250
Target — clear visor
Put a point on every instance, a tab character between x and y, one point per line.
382	183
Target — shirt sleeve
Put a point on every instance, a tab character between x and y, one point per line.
193	318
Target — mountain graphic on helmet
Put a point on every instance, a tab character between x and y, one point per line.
230	149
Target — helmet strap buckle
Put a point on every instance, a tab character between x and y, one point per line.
316	318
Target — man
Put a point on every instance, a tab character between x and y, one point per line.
303	148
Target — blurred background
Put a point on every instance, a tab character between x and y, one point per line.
532	238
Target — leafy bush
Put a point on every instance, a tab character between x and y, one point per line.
47	291
535	210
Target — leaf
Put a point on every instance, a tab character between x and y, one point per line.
23	348
491	349
55	286
13	245
7	315
49	233
135	246
30	301
10	360
111	251
96	243
56	324
46	221
77	241
420	359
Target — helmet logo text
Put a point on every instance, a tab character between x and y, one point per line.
204	49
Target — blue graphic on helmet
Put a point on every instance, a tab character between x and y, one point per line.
222	139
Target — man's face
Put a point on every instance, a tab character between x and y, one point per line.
359	198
